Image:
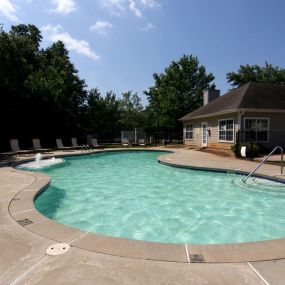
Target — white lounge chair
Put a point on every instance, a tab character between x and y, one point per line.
141	142
125	142
94	143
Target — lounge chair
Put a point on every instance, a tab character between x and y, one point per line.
75	145
37	146
7	154
14	144
141	142
60	145
94	143
125	142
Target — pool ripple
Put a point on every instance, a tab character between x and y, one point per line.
131	195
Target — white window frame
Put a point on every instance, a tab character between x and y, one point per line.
204	144
258	118
189	132
228	119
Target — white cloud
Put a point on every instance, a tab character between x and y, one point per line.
150	3
64	6
8	9
101	27
115	7
134	8
57	33
148	26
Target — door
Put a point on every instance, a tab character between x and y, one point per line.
204	134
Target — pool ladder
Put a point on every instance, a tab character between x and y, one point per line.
264	160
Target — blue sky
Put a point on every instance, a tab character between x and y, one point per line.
118	44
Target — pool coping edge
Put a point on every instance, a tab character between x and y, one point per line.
211	253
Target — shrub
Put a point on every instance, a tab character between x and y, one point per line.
236	149
252	149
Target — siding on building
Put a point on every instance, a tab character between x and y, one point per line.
213	134
276	129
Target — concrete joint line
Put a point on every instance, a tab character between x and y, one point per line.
187	253
80	236
21	188
28	270
259	275
25	211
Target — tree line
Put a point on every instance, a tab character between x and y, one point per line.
41	93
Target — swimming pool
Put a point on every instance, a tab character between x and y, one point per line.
129	194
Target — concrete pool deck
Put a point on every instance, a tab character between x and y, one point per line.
93	259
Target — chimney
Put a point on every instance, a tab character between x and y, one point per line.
210	95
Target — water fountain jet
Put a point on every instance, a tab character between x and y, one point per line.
39	162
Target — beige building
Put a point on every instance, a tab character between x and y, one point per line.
254	112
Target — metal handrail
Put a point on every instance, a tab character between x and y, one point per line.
264	160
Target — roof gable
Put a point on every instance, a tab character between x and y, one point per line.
249	96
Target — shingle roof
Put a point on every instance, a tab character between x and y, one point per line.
249	96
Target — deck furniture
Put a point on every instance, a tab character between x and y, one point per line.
37	146
125	142
94	143
75	145
142	142
14	144
60	146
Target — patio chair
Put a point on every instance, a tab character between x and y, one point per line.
14	144
37	146
125	142
59	145
75	145
94	143
141	142
7	154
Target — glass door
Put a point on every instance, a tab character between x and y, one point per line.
204	134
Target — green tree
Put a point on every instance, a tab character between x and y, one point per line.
95	108
59	95
176	92
255	73
19	51
103	113
40	90
132	115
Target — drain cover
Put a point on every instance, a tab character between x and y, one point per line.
25	222
196	258
58	248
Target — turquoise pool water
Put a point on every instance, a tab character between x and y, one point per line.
131	195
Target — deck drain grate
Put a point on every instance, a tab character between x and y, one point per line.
57	249
25	222
196	258
16	199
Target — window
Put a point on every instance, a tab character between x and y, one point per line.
226	130
256	129
189	132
